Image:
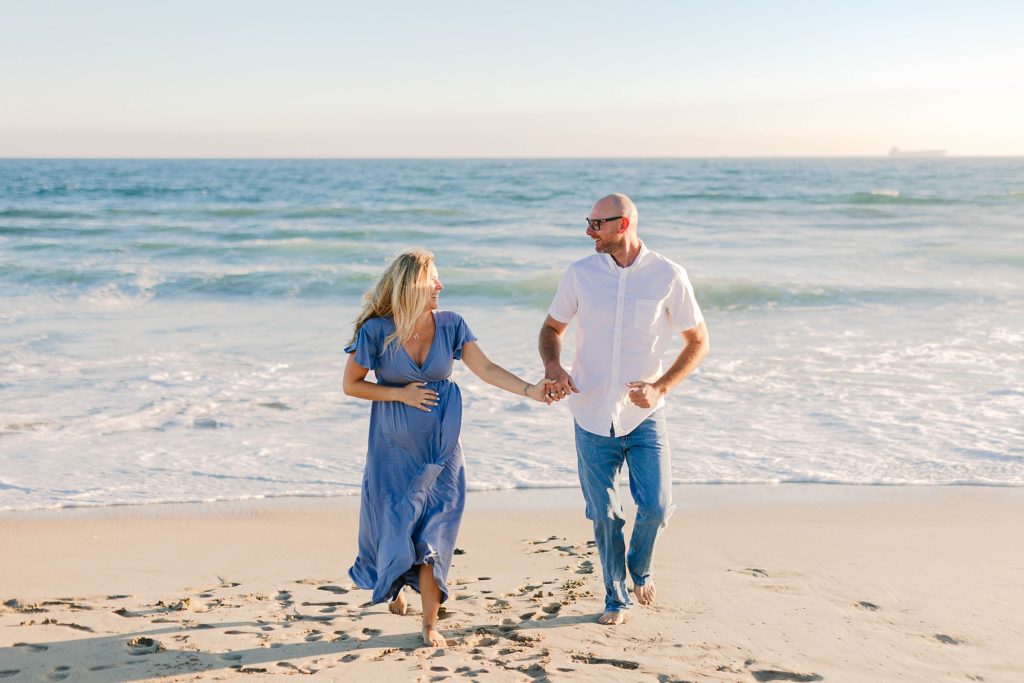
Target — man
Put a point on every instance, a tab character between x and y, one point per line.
629	302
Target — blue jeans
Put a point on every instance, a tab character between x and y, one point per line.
645	453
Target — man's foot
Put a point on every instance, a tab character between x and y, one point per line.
612	618
398	605
645	594
432	637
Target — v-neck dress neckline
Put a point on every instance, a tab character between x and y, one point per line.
430	351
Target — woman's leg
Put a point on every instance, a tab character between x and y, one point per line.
431	596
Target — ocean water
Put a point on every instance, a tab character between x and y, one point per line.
172	330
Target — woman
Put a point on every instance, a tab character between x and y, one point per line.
414	484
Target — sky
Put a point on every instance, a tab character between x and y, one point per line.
220	78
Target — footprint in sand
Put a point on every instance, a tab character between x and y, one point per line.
617	663
947	640
32	647
585	567
774	675
143	646
869	606
349	658
313	637
18	606
552	609
337	590
69	603
498	605
371	631
59	673
231	657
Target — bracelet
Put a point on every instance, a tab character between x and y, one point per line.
525	388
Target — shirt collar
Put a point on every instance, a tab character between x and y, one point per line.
614	267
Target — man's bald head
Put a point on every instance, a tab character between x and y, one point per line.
616	204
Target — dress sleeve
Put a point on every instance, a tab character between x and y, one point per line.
461	336
682	305
366	346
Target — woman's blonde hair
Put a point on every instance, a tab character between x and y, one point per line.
401	293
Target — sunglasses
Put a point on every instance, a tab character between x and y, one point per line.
596	223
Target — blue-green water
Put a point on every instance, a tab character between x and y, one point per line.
171	330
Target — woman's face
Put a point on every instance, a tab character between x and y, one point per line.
434	282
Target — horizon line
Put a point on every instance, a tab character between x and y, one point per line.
509	158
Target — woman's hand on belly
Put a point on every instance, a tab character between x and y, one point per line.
418	395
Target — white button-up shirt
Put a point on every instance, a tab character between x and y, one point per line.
626	319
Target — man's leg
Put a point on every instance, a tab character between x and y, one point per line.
650	482
600	459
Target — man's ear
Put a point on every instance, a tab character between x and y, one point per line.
625	223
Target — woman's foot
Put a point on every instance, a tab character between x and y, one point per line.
398	605
432	637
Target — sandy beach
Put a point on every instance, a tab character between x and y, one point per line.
755	583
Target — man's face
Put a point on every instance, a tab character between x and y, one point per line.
607	234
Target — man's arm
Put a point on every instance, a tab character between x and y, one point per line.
550	346
698	344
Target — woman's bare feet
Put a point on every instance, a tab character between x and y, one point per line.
645	594
398	606
612	618
432	637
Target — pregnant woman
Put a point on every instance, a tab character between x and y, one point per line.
414	483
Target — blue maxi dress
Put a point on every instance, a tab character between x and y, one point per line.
414	482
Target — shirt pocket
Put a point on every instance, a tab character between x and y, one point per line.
647	311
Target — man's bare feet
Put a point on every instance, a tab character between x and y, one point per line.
612	618
645	594
398	605
432	637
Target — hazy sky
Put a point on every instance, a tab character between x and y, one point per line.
241	79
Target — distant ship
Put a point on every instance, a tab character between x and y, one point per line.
896	152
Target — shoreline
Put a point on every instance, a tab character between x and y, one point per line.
556	497
835	582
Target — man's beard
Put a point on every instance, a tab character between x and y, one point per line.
603	246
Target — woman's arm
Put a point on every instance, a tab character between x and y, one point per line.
415	394
495	375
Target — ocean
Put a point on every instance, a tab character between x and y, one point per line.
173	330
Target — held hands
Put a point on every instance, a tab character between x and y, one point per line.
644	394
416	395
542	391
559	384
